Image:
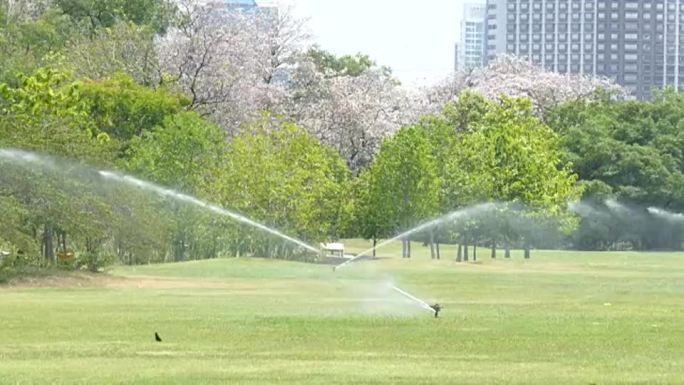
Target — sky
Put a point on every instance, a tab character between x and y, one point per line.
415	38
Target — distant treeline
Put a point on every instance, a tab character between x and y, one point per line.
329	151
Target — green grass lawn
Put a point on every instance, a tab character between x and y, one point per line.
559	318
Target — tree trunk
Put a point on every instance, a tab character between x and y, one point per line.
437	249
432	245
408	248
375	242
527	251
403	248
507	249
475	250
465	249
214	247
493	249
48	244
459	255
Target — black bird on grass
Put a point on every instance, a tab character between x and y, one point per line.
157	338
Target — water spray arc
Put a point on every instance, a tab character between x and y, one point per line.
443	219
25	157
46	162
131	181
670	216
432	308
435	308
617	207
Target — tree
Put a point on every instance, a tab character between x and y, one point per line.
96	14
517	77
281	39
30	34
236	66
124	110
346	65
13	11
511	156
12	232
124	47
280	175
629	151
458	187
185	153
45	113
403	186
231	64
353	114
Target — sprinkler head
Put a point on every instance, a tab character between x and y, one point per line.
436	308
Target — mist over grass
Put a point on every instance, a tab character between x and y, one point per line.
611	224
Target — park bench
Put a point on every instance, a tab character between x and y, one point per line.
335	250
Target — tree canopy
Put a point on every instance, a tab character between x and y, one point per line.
240	110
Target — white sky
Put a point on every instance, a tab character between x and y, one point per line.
414	37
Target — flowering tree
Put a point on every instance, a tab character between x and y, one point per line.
235	65
353	114
228	60
22	10
516	77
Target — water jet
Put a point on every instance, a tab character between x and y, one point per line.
46	162
127	179
667	215
443	219
436	308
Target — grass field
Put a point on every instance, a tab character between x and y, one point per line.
559	318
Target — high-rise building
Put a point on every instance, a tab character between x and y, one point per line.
469	53
635	42
223	8
456	56
244	6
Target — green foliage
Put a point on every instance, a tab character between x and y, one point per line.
47	113
346	65
281	175
124	110
15	234
467	112
519	158
460	186
29	43
401	188
185	152
96	14
630	151
44	92
81	79
633	147
123	48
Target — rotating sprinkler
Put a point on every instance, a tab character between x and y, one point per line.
436	308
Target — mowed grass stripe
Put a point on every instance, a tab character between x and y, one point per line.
561	317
